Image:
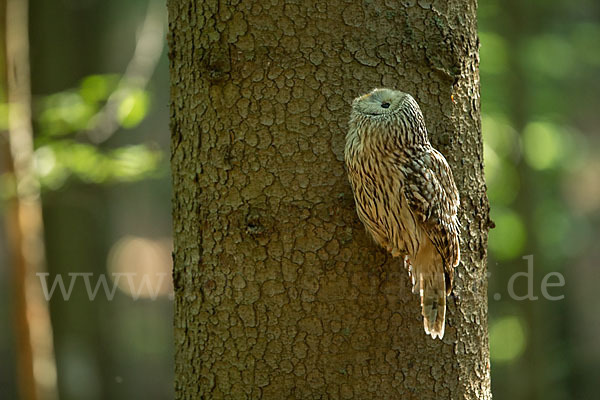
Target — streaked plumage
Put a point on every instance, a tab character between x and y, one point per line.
405	194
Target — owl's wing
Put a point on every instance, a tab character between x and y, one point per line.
432	196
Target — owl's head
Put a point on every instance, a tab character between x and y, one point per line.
386	116
381	103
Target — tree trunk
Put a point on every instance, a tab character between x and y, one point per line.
279	293
35	360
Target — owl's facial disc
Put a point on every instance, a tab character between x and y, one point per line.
379	102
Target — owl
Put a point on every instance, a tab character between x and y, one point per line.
405	195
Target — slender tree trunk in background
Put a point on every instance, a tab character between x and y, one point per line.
36	367
279	293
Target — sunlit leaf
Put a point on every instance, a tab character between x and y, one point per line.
133	108
64	113
96	88
507	339
58	160
85	161
50	172
131	162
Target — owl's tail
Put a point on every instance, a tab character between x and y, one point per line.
433	304
428	280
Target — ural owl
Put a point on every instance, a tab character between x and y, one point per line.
405	195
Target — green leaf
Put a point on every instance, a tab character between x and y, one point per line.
133	108
97	88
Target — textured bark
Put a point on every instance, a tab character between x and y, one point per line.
279	293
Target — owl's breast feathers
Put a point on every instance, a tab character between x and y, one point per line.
420	176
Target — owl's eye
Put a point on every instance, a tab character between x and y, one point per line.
385	105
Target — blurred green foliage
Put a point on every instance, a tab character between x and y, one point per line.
100	142
58	160
508	336
544	145
507	241
62	148
540	63
97	88
74	110
133	108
